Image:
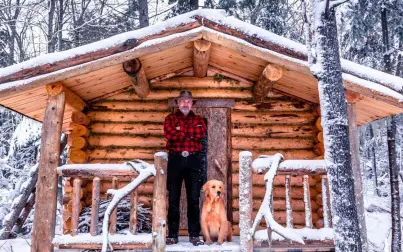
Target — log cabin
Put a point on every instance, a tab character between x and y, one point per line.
253	87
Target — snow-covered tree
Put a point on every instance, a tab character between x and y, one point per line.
325	65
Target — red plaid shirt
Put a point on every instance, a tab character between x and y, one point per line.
183	133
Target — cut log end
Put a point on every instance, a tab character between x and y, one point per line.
273	72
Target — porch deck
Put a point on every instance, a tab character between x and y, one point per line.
142	242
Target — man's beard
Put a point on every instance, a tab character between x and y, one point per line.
185	110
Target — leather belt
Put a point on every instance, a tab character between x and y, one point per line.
184	153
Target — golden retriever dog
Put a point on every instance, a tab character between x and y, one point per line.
214	223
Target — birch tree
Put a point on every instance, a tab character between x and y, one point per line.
324	60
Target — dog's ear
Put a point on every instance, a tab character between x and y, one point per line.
205	186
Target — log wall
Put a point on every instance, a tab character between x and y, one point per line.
125	127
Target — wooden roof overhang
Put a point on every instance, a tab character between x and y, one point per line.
94	71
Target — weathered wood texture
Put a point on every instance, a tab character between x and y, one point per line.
125	127
46	189
159	221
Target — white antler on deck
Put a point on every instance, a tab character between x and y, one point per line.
271	163
144	170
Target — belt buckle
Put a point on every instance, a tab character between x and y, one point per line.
185	153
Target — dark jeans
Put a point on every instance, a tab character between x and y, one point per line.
188	169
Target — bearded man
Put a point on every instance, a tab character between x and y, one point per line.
184	131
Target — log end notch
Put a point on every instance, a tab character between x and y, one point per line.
135	70
201	57
264	85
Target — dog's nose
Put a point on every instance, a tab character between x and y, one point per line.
218	193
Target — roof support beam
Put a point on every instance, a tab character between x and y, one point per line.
46	189
72	99
270	74
201	56
135	70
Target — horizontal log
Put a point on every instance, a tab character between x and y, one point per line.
288	154
253	130
294	167
319	149
268	117
80	118
130	105
155	129
74	129
125	153
98	245
278	192
278	204
77	156
132	116
273	105
96	170
206	82
127	141
280	217
247	143
197	93
258	180
76	142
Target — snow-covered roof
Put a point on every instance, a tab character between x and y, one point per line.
216	19
381	93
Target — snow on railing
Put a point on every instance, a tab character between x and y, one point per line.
272	166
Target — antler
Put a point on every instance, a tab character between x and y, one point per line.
259	165
145	170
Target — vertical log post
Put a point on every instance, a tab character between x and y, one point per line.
96	189
159	218
327	216
114	214
355	163
75	212
290	221
133	212
307	203
46	187
245	201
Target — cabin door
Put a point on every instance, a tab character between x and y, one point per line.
218	150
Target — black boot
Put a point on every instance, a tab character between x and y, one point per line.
171	240
196	241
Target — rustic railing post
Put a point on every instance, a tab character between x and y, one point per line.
46	187
96	190
245	201
159	218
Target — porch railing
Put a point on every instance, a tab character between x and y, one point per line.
305	168
117	173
